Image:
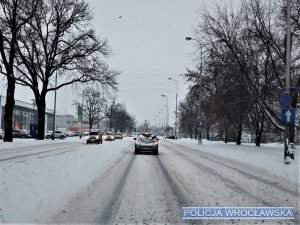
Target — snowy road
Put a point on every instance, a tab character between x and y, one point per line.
71	182
151	189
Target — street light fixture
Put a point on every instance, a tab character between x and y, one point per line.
176	105
200	89
167	113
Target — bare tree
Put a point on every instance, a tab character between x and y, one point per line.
145	126
118	117
14	14
59	41
250	44
94	105
187	114
110	112
123	120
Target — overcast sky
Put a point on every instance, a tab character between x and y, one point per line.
147	38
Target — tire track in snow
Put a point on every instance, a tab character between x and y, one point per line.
273	184
229	183
177	191
109	213
10	154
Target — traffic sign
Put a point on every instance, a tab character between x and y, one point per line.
292	90
288	116
295	90
285	100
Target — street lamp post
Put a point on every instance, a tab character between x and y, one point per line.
165	120
53	137
199	122
167	113
176	105
161	119
288	142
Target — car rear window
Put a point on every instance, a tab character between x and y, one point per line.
93	133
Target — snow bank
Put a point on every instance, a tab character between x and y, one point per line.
268	157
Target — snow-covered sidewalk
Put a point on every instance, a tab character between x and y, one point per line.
19	142
268	157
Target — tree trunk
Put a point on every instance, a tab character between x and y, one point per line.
226	135
41	107
258	135
190	133
110	125
207	133
9	108
239	135
257	140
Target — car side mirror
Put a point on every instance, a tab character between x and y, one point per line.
134	138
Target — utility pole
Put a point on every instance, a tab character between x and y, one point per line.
199	122
288	141
53	133
176	106
200	100
167	113
81	109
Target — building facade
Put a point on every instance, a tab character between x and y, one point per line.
25	115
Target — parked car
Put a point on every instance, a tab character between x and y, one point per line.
48	134
59	134
70	133
62	129
25	131
146	142
76	133
1	133
108	136
118	136
20	134
94	137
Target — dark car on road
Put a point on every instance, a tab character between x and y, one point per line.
94	137
20	134
146	142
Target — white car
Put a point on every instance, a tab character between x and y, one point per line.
108	136
48	134
1	134
70	133
57	134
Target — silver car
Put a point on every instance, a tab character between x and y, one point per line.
146	142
